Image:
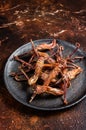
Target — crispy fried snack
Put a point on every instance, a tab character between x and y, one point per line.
48	66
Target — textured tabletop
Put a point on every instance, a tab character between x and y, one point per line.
21	21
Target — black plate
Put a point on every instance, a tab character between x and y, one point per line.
19	91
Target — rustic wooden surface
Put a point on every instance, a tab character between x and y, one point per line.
19	22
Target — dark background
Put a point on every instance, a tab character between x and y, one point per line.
38	19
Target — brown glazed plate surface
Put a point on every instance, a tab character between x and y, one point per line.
21	92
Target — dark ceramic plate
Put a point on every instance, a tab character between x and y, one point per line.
20	91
